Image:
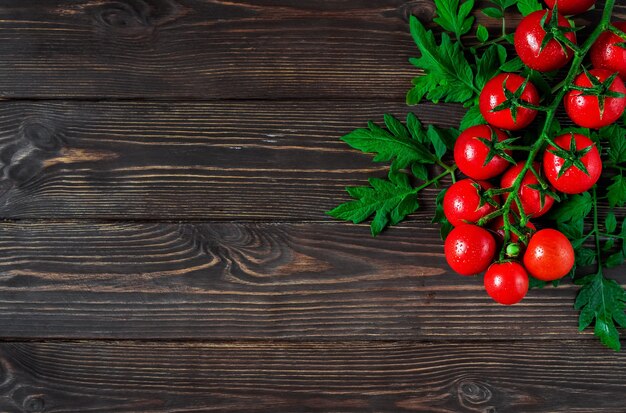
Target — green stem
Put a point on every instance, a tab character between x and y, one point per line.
449	171
596	231
579	55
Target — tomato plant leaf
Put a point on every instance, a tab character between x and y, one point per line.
482	34
604	301
528	6
393	145
575	208
616	192
390	201
472	117
448	75
453	17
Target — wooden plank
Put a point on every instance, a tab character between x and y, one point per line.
211	50
553	376
229	160
254	281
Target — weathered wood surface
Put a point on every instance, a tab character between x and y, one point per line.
254	281
228	160
165	166
210	49
355	377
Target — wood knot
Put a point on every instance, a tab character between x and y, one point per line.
423	10
122	16
473	394
131	16
42	136
34	404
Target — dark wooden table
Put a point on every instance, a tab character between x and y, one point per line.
166	165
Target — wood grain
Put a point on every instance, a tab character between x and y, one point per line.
254	281
212	50
228	160
553	376
278	161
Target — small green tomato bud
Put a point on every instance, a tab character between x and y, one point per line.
512	250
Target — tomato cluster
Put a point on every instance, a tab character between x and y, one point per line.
502	242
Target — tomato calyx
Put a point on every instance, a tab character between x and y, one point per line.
485	197
599	89
572	156
543	188
556	32
514	100
618	32
497	147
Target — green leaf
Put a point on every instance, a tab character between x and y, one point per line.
614	260
440	217
528	6
438	143
482	34
454	18
488	65
617	142
513	65
390	201
415	128
585	256
448	75
575	208
617	191
610	222
420	171
472	117
535	283
394	145
604	301
493	12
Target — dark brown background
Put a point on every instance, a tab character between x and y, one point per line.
166	165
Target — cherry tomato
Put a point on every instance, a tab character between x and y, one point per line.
469	249
585	110
549	255
493	95
497	225
573	180
461	203
470	153
606	54
530	197
529	40
506	282
569	7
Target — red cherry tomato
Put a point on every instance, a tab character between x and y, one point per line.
569	7
506	282
606	54
574	180
530	197
470	153
469	249
584	109
497	225
493	95
529	39
549	255
461	203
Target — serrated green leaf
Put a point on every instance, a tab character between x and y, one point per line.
482	34
616	192
513	65
488	65
575	208
472	117
614	260
617	142
528	6
610	222
420	171
438	143
396	127
604	301
387	146
493	12
390	201
448	75
453	17
415	128
585	256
